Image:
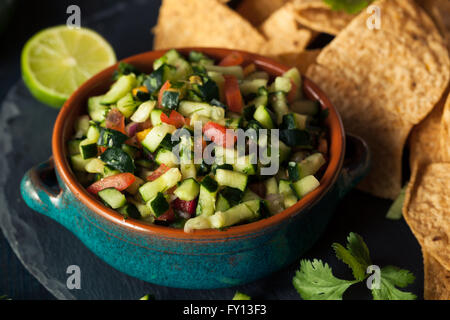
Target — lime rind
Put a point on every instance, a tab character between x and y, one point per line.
76	75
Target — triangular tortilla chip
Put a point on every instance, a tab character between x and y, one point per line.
318	16
439	11
256	11
427	209
284	33
437	279
423	145
445	132
207	23
383	82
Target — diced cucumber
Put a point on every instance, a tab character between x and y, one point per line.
306	167
307	107
188	170
222	203
250	195
143	209
283	151
236	71
232	179
88	149
132	151
289	196
251	86
279	105
188	108
111	138
281	84
73	146
170	57
166	181
78	163
114	198
197	223
130	211
242	212
304	186
218	78
296	138
258	75
127	105
155	117
118	159
187	190
120	88
262	115
143	111
294	121
95	166
271	186
294	75
81	125
96	110
207	198
164	156
232	195
108	171
156	136
159	204
234	123
93	133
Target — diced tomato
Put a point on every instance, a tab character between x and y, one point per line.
233	95
175	119
101	149
164	87
292	95
185	206
158	172
169	215
115	120
219	134
120	181
233	59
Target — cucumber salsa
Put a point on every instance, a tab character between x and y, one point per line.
141	148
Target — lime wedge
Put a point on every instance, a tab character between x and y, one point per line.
57	60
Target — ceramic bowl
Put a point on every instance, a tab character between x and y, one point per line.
205	258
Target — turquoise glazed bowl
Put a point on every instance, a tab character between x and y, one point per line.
204	259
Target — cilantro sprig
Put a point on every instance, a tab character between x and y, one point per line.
349	6
315	280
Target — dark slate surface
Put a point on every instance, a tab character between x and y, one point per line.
46	249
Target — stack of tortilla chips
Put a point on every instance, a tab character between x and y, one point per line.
389	82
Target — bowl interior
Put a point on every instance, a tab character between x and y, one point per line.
100	83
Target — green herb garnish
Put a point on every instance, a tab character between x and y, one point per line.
315	280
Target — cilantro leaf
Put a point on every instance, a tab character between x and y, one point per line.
315	281
356	256
349	6
392	277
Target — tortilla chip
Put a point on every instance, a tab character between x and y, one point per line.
445	132
439	11
256	11
206	23
424	147
383	82
427	209
302	60
437	279
318	16
284	33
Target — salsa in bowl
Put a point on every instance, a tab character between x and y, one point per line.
199	143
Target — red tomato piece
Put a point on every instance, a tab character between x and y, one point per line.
115	120
158	172
120	181
164	87
169	216
233	59
185	206
219	134
101	149
233	95
175	119
292	95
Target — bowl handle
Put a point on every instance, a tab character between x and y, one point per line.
40	189
356	164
